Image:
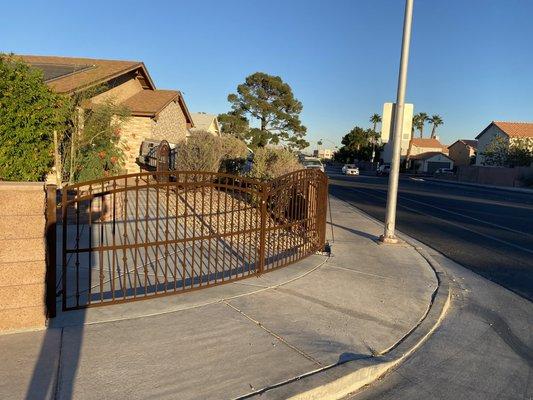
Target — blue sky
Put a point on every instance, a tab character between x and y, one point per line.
471	60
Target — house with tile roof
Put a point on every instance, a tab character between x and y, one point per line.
424	145
204	122
426	155
430	161
508	131
155	114
463	152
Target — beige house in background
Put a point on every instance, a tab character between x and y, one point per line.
426	155
508	131
326	154
204	122
155	114
430	162
463	151
424	145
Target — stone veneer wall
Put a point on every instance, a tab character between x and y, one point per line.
133	132
22	256
170	124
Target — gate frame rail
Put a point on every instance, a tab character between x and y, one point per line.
163	179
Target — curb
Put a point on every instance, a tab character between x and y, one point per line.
341	380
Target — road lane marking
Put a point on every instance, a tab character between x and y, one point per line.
402	195
453	224
416	191
467	216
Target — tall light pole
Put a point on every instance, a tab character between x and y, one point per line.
392	194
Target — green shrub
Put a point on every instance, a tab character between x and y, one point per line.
29	114
100	152
269	163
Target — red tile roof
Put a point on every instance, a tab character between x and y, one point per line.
469	142
426	142
516	129
466	142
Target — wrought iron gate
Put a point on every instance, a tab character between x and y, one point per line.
151	234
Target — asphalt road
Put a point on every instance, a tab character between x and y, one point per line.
489	231
484	347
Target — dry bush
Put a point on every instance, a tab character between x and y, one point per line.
234	154
200	152
269	163
233	148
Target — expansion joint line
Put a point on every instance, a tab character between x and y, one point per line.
56	390
278	337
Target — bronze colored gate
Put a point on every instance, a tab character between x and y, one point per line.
163	158
151	234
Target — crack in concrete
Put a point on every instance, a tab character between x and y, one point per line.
274	334
342	310
57	384
360	272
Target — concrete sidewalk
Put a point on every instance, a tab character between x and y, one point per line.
232	340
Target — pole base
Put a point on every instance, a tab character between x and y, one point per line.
388	240
326	251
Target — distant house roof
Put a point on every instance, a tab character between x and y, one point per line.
202	121
426	142
429	154
512	129
466	142
71	74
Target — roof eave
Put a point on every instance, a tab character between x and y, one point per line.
185	110
488	126
143	114
113	76
156	114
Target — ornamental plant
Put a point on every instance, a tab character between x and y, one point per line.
29	114
99	151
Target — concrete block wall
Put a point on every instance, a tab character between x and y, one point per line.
22	256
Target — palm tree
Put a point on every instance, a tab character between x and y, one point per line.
437	121
375	119
419	121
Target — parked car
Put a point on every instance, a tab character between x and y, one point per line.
383	170
444	171
313	163
350	169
